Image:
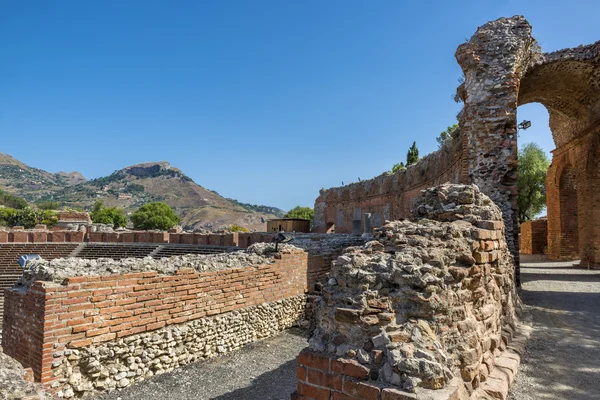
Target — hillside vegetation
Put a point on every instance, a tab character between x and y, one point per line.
132	187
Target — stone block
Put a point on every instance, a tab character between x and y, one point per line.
350	368
361	390
496	385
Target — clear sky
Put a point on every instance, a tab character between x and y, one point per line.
262	101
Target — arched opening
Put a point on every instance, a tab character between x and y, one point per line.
568	89
569	221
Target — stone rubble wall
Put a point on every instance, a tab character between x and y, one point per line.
46	321
427	302
121	363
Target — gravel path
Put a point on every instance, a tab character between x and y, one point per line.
265	370
562	359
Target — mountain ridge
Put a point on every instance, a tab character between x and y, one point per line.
132	186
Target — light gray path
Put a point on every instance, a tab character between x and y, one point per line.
265	370
562	360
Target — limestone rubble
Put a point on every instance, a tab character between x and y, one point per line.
427	299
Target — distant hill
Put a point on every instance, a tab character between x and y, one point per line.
132	187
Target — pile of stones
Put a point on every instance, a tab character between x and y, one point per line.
14	386
427	299
59	269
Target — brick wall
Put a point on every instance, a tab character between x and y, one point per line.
239	239
389	196
321	377
534	237
50	318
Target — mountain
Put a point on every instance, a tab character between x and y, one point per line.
28	182
131	187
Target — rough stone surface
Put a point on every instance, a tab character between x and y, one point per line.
59	269
121	363
429	299
13	385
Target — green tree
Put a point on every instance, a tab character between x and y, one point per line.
6	215
398	167
114	216
26	217
412	156
301	212
533	166
12	201
446	135
155	215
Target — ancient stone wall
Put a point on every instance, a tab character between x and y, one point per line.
388	196
426	303
96	326
504	67
534	236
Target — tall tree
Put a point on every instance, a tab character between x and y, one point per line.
301	212
155	215
114	216
413	154
533	166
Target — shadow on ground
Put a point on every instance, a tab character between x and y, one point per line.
264	370
562	359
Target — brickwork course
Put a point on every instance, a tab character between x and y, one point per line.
534	236
504	67
77	335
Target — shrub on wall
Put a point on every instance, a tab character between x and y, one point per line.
114	216
155	215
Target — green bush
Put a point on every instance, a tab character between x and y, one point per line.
236	228
114	216
12	201
155	215
6	215
301	212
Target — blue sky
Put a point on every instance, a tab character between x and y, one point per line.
263	101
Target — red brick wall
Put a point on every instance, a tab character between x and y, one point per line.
318	268
323	378
389	197
534	237
97	309
213	239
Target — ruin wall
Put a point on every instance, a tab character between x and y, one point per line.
534	236
97	330
389	196
426	307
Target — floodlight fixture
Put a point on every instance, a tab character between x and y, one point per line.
524	125
282	238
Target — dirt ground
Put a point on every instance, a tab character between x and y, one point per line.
264	370
562	360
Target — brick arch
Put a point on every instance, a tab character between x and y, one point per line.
570	91
504	67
